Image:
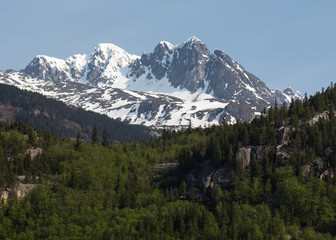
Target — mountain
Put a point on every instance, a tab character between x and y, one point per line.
54	116
172	86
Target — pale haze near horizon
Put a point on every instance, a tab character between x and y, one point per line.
284	43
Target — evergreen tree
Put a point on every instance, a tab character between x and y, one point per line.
94	135
78	141
105	141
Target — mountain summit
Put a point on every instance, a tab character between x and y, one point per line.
171	86
191	66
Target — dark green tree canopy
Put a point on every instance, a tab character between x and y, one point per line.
94	135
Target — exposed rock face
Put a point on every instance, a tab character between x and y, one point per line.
327	173
315	119
189	63
316	167
245	154
157	60
23	189
8	112
4	194
305	170
33	152
192	66
48	68
283	154
165	166
221	177
285	131
19	191
318	164
229	80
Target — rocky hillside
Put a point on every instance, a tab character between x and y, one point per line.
301	137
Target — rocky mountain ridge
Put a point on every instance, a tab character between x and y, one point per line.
171	86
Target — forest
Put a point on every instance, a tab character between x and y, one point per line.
94	189
54	116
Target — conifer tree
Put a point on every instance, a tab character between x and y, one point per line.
31	137
94	135
78	141
105	141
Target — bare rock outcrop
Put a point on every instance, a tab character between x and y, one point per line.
20	190
305	170
219	177
23	189
285	131
327	173
316	166
245	154
315	119
33	152
4	194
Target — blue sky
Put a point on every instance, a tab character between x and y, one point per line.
284	43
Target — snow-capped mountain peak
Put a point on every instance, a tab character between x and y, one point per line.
77	67
48	68
106	63
102	66
167	45
290	92
169	86
109	50
192	40
52	61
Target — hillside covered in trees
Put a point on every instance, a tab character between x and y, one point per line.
41	112
271	178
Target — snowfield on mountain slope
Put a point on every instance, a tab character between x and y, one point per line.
171	86
125	110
